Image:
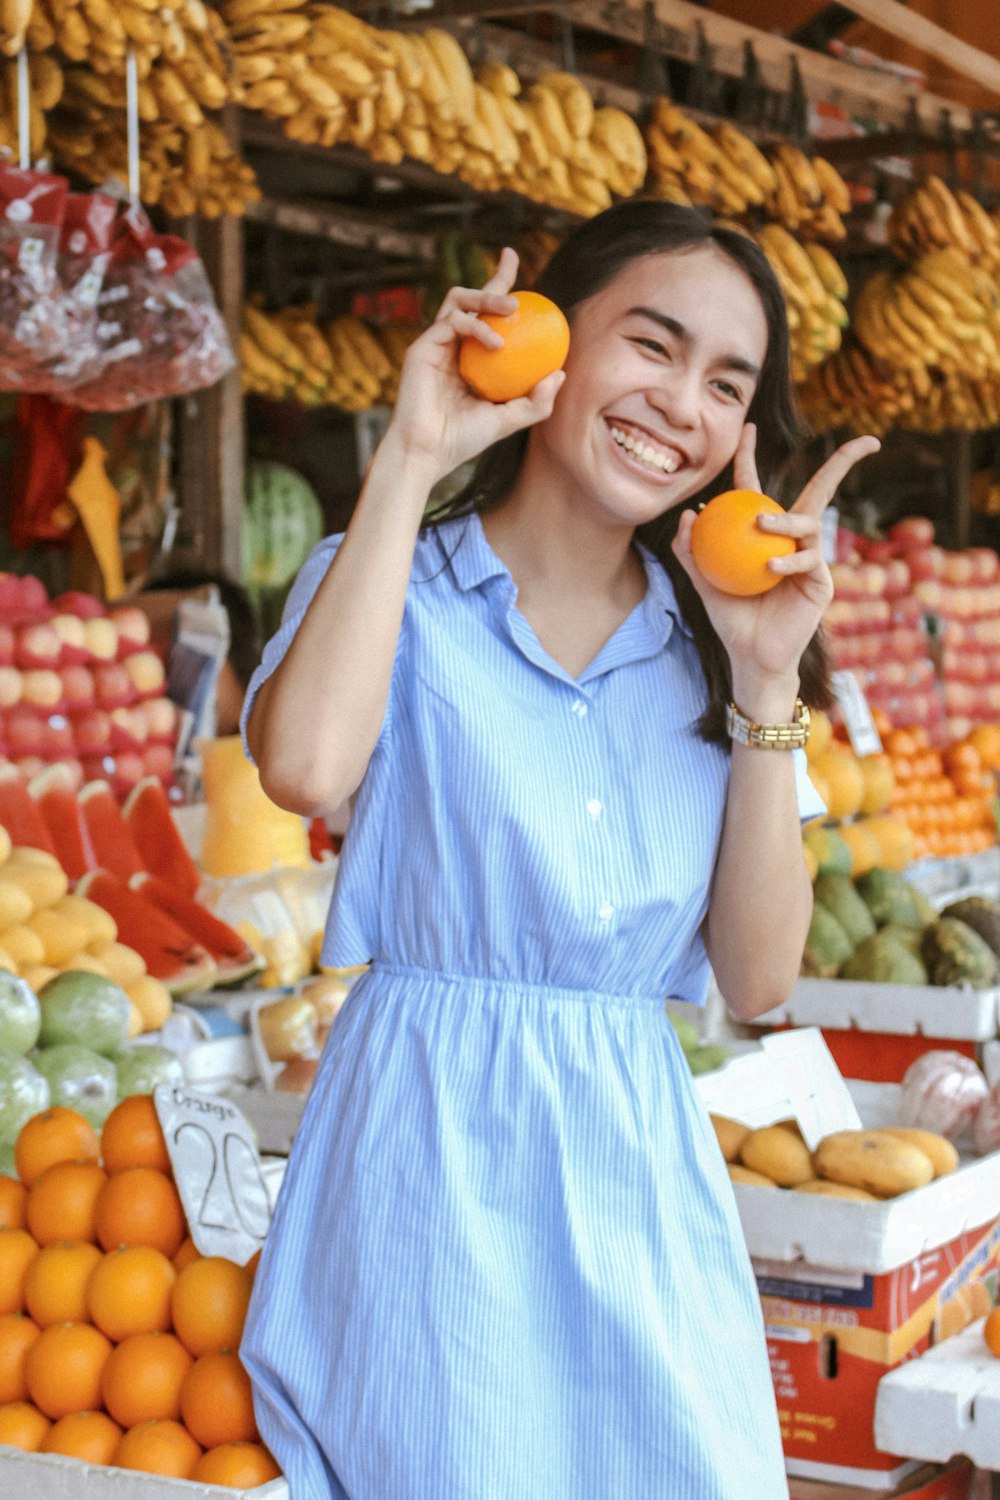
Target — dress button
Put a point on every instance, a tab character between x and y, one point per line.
606	912
595	808
580	708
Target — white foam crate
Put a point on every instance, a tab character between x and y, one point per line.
943	1404
49	1476
949	1013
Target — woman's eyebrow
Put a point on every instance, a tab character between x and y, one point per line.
737	362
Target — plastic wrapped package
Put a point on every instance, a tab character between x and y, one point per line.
943	1091
161	333
255	906
23	1093
32	208
84	254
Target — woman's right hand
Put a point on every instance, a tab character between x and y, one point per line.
437	420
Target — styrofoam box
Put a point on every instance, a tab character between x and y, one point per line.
840	1234
946	1402
49	1476
900	1009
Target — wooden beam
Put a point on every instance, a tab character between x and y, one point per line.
344	226
909	26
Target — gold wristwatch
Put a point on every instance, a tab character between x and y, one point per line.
769	736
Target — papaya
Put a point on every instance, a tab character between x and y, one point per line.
982	915
730	1134
841	900
884	960
955	955
832	855
824	1189
889	898
942	1153
778	1153
742	1174
874	1160
827	945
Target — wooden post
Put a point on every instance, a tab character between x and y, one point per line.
962	488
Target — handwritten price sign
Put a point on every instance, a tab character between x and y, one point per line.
217	1171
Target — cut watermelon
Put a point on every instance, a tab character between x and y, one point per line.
53	791
161	848
234	957
20	815
170	953
111	838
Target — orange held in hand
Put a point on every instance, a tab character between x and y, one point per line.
729	547
535	344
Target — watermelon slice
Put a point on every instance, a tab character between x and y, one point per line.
161	848
53	791
20	815
170	953
234	957
110	835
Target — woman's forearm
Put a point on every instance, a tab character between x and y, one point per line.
761	900
316	720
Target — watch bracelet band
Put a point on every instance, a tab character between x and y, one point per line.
744	731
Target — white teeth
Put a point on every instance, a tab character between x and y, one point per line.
667	463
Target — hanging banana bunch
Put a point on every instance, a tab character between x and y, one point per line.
849	390
941	312
101	32
45	90
810	196
287	356
815	291
723	169
14	18
932	217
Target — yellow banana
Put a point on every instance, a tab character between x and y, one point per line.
499	78
454	66
832	185
577	105
827	269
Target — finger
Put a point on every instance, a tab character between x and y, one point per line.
808	560
472	300
823	485
524	411
745	475
466	325
505	275
802	527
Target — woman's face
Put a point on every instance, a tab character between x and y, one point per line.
663	365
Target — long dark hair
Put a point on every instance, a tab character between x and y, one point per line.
586	262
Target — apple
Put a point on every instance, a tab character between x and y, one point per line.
30	765
98	767
985	564
893	674
871	580
845	581
124	726
36	646
132	625
928	593
113	685
129	771
882	551
101	638
897	578
69	629
6	645
158	760
41	686
145	670
92	732
912	531
10	595
75	602
78	686
958	568
992	696
10	687
924	562
23	729
847	545
161	715
34	597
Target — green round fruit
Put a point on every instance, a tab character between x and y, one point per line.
142	1067
80	1079
20	1014
86	1010
23	1092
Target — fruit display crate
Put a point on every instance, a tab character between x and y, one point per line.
49	1476
876	1030
947	1402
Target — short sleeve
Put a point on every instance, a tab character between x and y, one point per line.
300	596
811	804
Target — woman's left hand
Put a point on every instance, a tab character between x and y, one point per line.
766	634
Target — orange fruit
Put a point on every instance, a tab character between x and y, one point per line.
131	1136
55	1283
209	1304
17	1250
90	1435
535	343
140	1206
986	739
57	1134
62	1202
64	1368
991	1332
240	1466
17	1334
730	549
143	1376
186	1254
13	1195
129	1292
158	1448
217	1401
23	1426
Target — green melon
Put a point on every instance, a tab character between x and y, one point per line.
282	522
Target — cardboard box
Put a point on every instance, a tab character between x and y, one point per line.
49	1476
957	1482
849	1289
946	1402
875	1031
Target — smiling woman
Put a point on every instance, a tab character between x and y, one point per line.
506	1254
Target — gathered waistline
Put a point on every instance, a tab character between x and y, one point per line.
517	988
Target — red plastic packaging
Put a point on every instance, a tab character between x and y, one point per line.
85	241
32	208
160	330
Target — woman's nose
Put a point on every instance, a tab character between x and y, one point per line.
678	399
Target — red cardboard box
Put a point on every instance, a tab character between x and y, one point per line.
958	1481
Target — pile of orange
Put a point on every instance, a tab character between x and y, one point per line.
118	1340
945	796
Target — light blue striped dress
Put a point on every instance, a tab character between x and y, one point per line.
506	1262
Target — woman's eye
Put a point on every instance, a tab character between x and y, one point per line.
732	391
654	345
